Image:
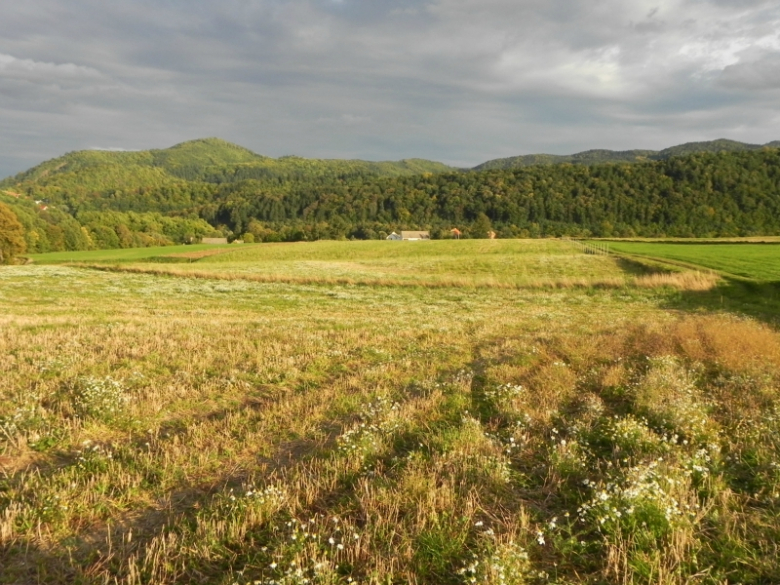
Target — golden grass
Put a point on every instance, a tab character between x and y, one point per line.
436	435
687	281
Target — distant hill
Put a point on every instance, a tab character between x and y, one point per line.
591	157
208	160
108	199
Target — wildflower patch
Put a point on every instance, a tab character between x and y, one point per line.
99	397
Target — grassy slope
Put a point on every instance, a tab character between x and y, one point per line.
175	430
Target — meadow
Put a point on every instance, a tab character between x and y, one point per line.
755	261
126	254
442	263
521	413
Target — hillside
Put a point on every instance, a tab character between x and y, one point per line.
208	160
590	157
89	200
706	194
100	199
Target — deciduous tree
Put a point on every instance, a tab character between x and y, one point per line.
11	235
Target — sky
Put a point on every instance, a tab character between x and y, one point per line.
458	81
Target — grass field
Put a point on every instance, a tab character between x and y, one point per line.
127	254
748	260
161	428
476	263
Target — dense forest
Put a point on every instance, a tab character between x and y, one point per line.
598	156
94	199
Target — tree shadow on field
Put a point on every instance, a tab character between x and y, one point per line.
759	300
92	551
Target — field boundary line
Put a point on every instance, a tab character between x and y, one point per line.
562	283
682	264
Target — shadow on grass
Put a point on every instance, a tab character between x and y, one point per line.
759	300
636	268
88	553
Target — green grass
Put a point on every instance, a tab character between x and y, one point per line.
118	255
474	261
436	263
384	250
754	261
445	262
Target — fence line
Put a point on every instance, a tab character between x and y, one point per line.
596	248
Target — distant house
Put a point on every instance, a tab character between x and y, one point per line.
409	236
214	241
414	236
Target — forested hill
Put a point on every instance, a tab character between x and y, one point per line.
209	187
590	157
706	194
208	160
99	199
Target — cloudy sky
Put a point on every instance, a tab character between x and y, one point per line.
460	81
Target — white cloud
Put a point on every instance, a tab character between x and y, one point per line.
29	69
33	83
345	119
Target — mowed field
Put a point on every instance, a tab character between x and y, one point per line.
131	254
757	261
469	263
443	413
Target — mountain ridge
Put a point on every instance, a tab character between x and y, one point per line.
199	159
600	156
214	160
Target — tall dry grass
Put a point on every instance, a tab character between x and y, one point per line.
432	438
687	281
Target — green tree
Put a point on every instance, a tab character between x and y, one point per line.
11	235
481	227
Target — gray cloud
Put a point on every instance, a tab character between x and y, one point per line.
454	80
762	73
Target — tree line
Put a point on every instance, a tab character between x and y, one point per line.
701	195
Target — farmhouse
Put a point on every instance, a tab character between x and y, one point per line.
409	236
